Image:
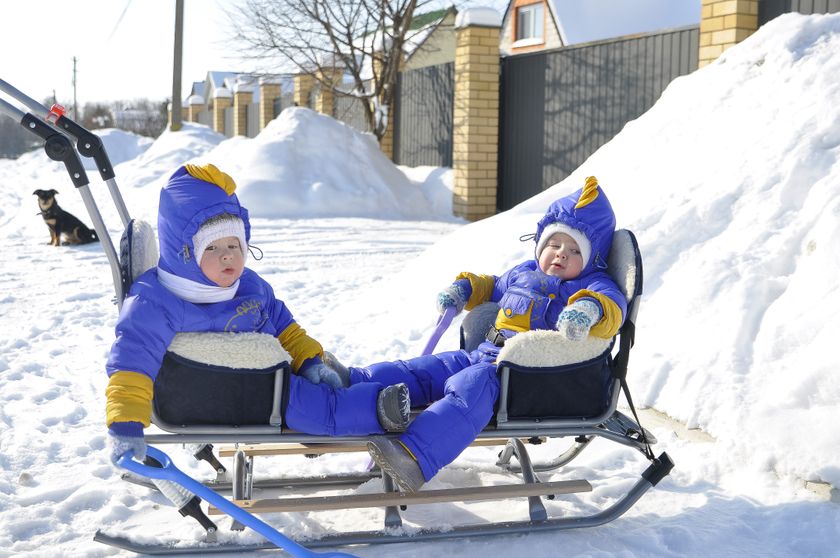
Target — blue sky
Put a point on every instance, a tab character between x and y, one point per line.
591	20
124	48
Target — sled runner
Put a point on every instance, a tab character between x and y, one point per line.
550	388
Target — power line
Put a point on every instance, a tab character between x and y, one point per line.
119	20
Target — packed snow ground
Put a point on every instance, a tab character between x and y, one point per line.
731	185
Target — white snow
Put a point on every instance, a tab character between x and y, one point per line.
479	16
730	183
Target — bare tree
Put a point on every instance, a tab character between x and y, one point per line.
362	39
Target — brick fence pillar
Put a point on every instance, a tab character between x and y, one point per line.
723	24
386	143
330	77
222	99
195	104
303	86
269	92
243	94
475	149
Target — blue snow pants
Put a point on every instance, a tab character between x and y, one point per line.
321	410
460	388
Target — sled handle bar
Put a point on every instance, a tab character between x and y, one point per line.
88	143
57	146
168	471
443	323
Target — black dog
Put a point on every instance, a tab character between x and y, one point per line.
61	222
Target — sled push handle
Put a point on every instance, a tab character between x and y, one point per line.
168	471
88	143
58	147
442	324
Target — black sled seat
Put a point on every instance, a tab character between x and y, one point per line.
230	388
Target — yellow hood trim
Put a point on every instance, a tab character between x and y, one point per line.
209	173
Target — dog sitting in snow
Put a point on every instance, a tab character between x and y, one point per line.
61	222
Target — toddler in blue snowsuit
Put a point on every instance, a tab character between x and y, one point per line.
565	287
201	284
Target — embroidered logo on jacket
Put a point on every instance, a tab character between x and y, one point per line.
249	317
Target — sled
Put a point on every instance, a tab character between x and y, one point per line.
549	389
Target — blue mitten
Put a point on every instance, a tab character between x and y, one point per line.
318	372
127	436
454	296
576	319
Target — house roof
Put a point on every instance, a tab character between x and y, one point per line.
424	25
436	16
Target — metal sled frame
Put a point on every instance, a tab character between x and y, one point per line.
57	131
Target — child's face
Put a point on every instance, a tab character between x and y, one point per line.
223	261
561	257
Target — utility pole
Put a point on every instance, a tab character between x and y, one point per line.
176	66
75	106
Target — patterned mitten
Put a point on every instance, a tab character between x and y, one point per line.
453	296
127	436
318	372
576	319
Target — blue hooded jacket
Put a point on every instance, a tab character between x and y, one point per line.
151	315
530	299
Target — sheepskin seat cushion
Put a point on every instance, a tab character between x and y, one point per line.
248	350
144	251
546	348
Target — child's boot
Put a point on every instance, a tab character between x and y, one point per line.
393	407
393	458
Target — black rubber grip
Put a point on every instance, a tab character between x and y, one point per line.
659	469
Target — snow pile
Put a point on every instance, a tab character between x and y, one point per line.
120	145
282	171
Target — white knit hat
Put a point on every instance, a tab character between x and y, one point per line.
554	228
218	227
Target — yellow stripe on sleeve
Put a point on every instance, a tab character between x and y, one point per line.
299	345
482	288
129	398
608	326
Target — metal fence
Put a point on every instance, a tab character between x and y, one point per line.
558	107
770	9
229	132
285	100
351	111
205	117
252	122
423	116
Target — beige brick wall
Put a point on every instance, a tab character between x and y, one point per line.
723	24
219	106
241	100
193	110
269	92
326	100
476	122
303	85
386	144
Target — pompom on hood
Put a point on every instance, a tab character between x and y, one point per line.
193	195
589	211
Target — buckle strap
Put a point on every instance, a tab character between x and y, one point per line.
496	337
